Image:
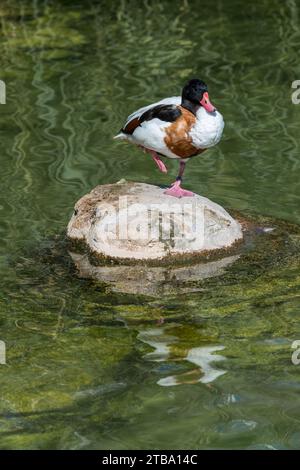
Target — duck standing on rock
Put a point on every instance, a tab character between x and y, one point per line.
178	127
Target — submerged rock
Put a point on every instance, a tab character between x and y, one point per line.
151	280
129	221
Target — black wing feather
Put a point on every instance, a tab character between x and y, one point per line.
164	112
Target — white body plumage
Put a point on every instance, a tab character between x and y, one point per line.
204	133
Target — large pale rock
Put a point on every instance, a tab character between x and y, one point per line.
137	221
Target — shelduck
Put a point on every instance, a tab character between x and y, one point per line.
179	127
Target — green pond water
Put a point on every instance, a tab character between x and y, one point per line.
87	368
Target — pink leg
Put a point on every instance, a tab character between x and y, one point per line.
176	189
162	167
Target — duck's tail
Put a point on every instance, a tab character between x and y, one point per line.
120	136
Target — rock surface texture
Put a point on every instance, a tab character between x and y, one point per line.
138	222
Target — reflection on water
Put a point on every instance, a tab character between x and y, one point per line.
202	357
152	280
156	339
82	370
